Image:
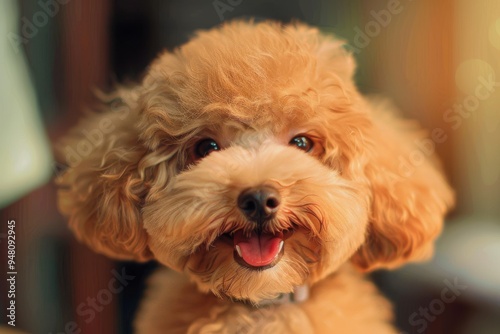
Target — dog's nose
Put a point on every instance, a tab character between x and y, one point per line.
259	204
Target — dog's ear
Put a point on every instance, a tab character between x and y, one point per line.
410	197
102	191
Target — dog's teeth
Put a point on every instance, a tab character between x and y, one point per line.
238	250
281	245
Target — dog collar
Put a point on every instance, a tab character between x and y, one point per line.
300	294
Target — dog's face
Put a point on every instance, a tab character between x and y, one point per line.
257	215
250	162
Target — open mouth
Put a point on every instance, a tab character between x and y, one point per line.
258	251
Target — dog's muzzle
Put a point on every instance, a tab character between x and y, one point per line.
258	250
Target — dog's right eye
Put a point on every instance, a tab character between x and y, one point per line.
302	143
204	147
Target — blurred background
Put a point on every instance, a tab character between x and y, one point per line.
437	60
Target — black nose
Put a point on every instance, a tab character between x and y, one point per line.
259	204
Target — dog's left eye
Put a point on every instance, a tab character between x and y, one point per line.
205	146
303	143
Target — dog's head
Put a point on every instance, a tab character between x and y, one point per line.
248	160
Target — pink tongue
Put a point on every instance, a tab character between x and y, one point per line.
258	250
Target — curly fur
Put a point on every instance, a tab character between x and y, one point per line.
252	87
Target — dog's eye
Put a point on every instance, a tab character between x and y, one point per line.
205	146
302	142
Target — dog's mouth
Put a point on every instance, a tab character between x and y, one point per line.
258	250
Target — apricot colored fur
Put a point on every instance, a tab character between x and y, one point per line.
252	87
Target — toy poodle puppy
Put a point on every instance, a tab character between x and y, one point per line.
248	162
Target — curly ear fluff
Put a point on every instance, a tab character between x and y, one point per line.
410	197
101	191
409	201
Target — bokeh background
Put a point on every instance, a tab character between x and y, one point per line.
438	61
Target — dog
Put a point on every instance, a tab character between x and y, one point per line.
248	163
